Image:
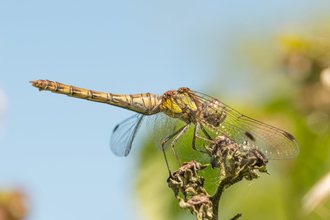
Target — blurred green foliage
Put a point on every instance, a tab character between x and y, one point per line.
300	104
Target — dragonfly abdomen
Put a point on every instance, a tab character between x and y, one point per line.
142	103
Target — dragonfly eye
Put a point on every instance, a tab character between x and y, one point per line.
215	113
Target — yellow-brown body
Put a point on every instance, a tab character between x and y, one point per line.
145	103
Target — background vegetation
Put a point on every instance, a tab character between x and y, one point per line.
297	99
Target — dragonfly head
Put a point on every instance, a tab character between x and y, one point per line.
215	112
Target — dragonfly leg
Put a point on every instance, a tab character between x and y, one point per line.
196	134
180	131
205	132
185	128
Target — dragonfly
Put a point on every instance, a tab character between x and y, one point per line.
183	117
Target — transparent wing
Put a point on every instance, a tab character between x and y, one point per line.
273	142
160	126
123	135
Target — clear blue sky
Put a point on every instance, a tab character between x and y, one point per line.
56	147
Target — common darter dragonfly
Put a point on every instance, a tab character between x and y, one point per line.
181	118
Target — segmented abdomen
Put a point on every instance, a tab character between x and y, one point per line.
145	103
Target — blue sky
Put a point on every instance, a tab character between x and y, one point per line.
56	147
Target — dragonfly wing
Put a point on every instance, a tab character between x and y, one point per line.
273	142
123	135
160	126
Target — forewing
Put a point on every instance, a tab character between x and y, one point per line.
273	142
123	135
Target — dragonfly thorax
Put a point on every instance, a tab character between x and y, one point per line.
179	104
